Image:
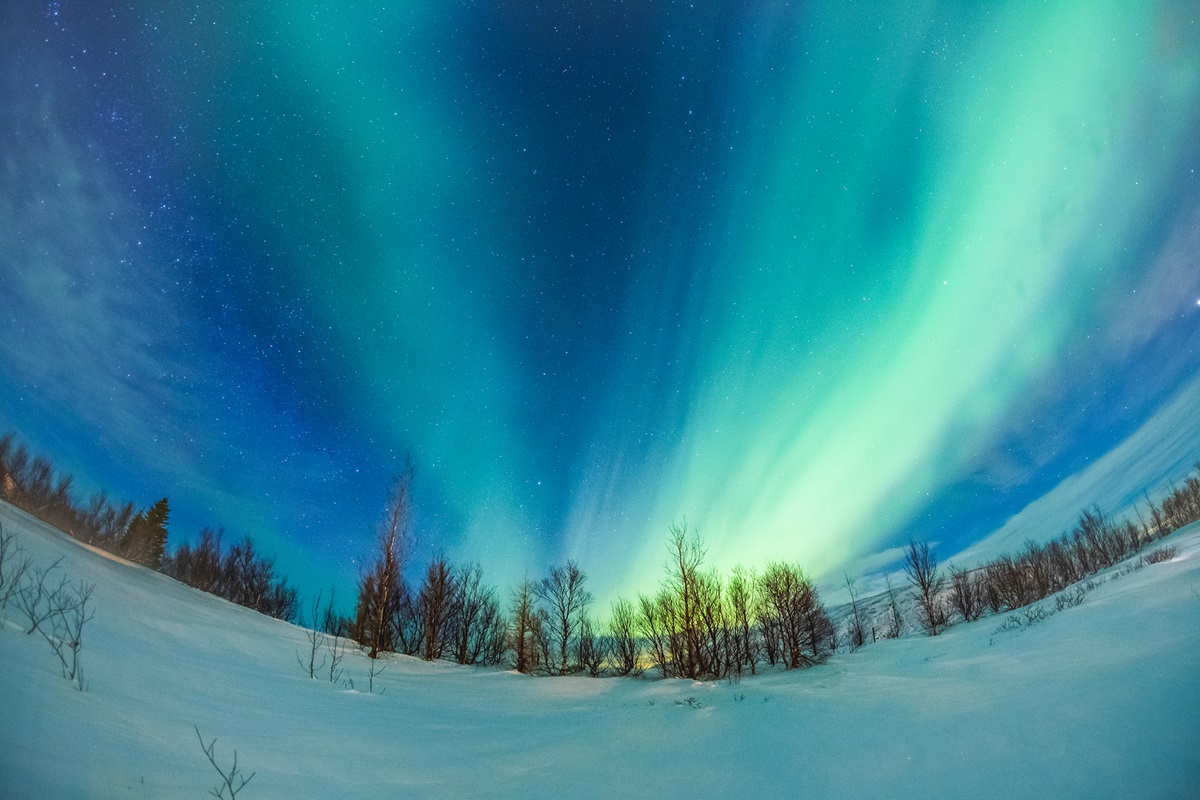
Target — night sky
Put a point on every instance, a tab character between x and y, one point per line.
817	277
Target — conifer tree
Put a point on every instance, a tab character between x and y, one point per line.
146	538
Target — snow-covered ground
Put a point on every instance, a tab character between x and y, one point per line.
1097	701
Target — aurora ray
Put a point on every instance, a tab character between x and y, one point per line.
816	279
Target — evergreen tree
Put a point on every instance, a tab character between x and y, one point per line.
146	539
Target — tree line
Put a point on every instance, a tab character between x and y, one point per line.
239	574
701	624
1043	569
698	624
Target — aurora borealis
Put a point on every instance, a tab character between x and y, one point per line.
816	276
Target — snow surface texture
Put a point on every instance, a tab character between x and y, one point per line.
1099	701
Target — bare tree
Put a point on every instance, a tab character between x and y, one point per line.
466	610
199	566
435	603
476	624
29	483
566	601
1095	529
858	633
921	568
1182	503
895	620
408	622
744	637
713	624
331	622
655	623
494	633
800	620
316	639
966	594
242	575
104	523
263	591
592	649
379	589
282	602
770	634
233	781
683	583
543	647
1007	584
1135	533
525	625
622	632
1063	566
1158	523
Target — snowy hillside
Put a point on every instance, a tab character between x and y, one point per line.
1100	701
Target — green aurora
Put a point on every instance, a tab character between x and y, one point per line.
815	277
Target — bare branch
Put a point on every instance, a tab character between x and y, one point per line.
233	781
316	639
335	647
39	600
65	636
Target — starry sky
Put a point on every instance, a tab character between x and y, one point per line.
816	277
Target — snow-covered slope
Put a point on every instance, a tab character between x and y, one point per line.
1097	701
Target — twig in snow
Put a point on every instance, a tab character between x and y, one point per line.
232	781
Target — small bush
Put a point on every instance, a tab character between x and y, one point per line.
65	636
1070	598
1034	614
1023	618
14	563
1162	554
57	610
1134	567
38	598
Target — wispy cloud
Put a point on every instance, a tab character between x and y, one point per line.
1162	449
89	318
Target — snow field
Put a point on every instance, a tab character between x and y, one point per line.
1098	701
